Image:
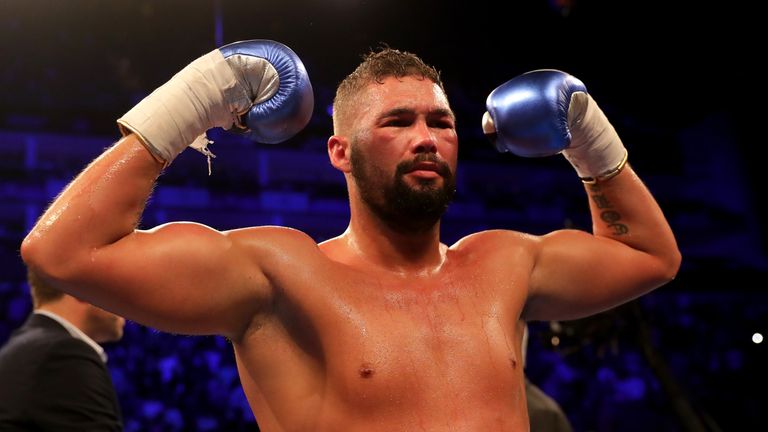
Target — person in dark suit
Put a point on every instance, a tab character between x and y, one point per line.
53	373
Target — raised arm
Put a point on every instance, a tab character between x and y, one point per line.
632	249
180	277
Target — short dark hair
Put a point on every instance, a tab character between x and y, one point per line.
375	67
42	293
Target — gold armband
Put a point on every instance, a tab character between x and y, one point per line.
608	175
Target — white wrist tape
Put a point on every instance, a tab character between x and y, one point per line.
203	95
596	151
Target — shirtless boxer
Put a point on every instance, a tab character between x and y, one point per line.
382	328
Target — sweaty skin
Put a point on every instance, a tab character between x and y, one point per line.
374	330
349	346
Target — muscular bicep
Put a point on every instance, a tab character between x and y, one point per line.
577	274
181	277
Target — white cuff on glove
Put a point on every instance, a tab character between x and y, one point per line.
203	95
596	151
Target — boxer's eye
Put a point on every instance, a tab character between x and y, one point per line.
441	124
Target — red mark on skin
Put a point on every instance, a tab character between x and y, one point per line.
366	370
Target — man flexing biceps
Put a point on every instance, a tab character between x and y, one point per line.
383	327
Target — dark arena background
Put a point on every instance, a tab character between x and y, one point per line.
676	79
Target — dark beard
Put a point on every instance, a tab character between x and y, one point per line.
404	208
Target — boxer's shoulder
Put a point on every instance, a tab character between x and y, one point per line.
275	240
495	241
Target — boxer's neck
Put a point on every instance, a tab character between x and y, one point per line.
375	242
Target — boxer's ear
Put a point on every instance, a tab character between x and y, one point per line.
338	152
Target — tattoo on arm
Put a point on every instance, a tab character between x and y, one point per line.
608	215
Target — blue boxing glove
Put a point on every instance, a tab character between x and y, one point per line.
545	112
282	98
258	87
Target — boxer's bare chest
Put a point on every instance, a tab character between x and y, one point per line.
376	347
389	337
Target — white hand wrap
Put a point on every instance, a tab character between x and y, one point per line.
596	151
203	95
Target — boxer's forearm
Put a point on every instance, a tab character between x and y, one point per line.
101	206
624	210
